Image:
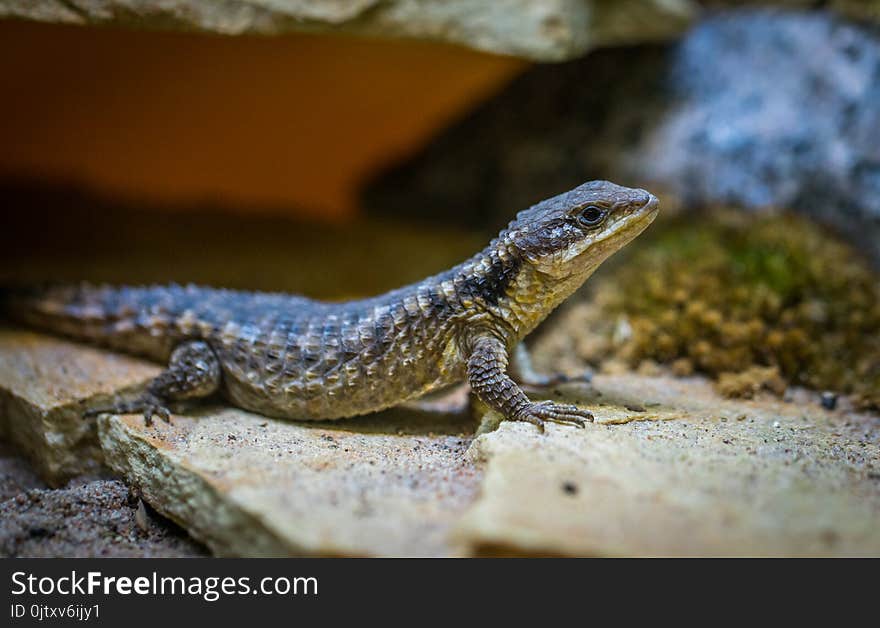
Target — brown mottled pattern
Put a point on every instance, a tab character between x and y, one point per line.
293	357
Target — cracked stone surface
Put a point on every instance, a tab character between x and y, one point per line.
544	30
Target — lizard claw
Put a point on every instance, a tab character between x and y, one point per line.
537	413
156	410
149	404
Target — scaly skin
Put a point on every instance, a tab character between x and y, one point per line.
291	357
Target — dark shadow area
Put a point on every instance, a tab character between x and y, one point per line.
69	233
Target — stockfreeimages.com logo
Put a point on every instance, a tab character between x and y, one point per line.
209	588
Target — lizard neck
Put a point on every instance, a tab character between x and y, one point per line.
508	290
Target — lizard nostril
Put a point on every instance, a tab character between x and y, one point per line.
641	199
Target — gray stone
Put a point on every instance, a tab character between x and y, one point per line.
752	108
545	30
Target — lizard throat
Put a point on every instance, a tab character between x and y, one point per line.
530	298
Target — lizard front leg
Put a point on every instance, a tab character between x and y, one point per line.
193	373
487	374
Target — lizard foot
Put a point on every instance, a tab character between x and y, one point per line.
537	413
149	404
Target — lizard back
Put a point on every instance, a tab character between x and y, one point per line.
281	355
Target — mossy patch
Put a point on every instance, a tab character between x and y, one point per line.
722	293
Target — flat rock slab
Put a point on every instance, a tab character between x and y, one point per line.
669	468
390	485
45	383
691	475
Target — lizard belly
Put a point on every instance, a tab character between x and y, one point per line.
291	386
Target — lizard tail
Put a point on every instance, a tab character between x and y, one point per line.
134	320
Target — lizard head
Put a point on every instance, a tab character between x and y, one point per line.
569	235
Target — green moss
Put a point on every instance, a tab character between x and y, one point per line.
727	292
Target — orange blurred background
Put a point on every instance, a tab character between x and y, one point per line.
291	123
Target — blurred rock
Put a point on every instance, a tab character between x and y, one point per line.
45	383
16	475
756	108
545	30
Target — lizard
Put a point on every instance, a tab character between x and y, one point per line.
292	357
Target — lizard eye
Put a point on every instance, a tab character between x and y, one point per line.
591	216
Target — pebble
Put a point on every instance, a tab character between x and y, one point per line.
829	400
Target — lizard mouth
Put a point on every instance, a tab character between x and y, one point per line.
632	225
649	206
647	212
